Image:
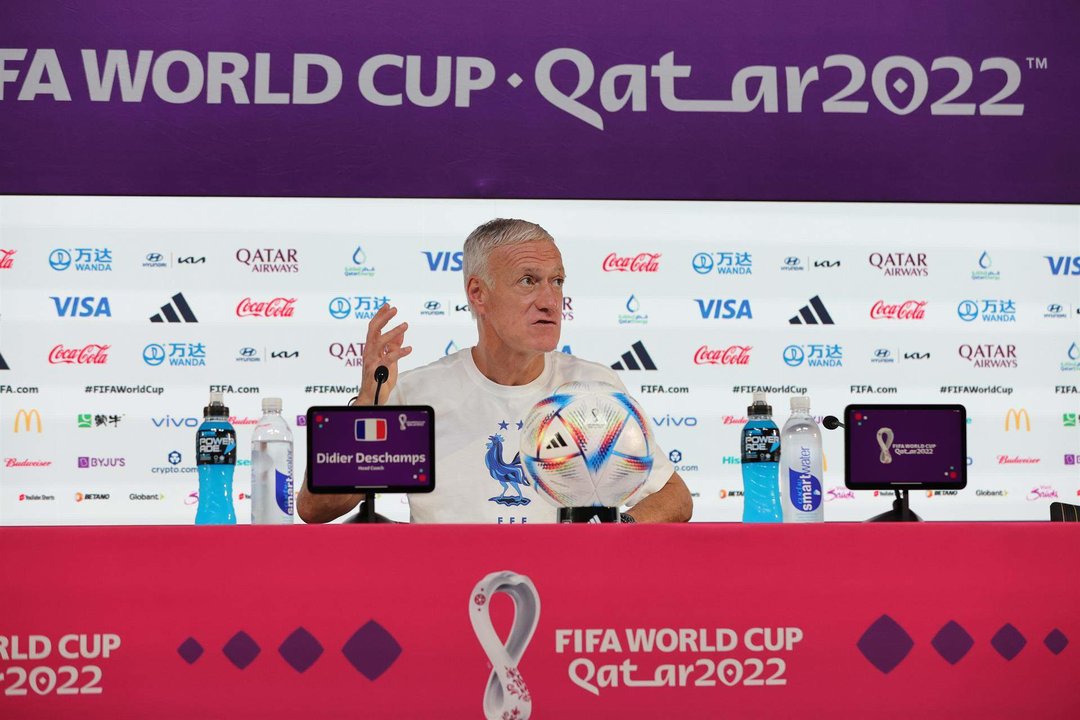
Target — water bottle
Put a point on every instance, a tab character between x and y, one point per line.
802	460
272	468
760	463
215	455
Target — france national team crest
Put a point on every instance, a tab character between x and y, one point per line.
510	475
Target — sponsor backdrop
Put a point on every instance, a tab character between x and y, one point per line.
119	315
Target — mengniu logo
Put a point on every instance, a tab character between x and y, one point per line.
1064	264
92	354
351	354
900	264
82	259
906	310
279	307
361	307
443	260
723	263
731	355
1015	418
987	310
718	309
27	420
7	259
75	306
175	311
178	354
990	355
812	314
269	260
640	263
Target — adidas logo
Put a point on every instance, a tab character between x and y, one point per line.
3	364
630	359
813	314
556	442
169	310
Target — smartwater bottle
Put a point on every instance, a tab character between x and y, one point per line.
802	461
760	463
215	455
272	468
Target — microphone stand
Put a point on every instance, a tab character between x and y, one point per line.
367	507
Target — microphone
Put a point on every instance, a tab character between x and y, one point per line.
831	422
381	376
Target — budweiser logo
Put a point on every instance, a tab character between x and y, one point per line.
15	462
732	420
6	258
1016	460
734	355
90	355
278	307
642	262
907	310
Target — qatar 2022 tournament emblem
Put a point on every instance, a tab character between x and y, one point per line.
505	696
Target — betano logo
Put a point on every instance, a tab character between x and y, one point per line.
1015	417
25	419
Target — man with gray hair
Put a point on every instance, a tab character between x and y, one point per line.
514	278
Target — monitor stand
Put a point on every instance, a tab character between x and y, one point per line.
367	513
901	512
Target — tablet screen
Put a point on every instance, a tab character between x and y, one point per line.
905	446
381	449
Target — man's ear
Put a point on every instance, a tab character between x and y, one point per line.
476	293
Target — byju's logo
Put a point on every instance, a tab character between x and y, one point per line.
815	355
350	354
279	307
359	267
906	310
731	355
723	263
717	309
1064	264
985	271
637	358
991	310
269	260
900	264
175	311
87	463
443	260
7	259
633	314
989	355
361	307
813	314
75	306
83	259
177	354
92	354
1072	362
640	263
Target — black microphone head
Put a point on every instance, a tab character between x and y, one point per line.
381	374
831	422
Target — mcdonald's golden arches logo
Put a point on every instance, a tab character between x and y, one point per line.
25	419
1015	417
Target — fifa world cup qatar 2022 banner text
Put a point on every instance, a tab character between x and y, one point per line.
921	101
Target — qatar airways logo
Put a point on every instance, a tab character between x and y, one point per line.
733	355
900	264
92	354
7	259
907	310
269	260
989	356
279	307
642	262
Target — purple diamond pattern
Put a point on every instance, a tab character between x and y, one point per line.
952	642
190	650
1056	641
300	650
241	650
1008	641
371	650
885	644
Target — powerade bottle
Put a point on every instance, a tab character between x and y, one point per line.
760	463
215	455
802	474
272	468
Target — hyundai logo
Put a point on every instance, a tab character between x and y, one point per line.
248	352
60	259
794	355
340	308
154	257
1053	309
432	305
968	310
791	261
153	354
703	263
882	352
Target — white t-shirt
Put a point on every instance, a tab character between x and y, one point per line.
471	411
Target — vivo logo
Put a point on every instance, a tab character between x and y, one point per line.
1064	265
172	422
675	421
724	309
74	306
443	260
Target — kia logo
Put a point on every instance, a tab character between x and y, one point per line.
153	354
703	263
154	257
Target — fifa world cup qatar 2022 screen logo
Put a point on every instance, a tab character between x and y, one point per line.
505	695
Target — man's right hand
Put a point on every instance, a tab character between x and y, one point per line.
382	348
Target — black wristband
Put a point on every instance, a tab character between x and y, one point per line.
626	518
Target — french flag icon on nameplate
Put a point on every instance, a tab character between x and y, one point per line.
371	429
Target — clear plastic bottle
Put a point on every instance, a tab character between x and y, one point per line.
215	456
802	465
272	468
760	463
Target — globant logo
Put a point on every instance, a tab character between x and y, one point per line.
1072	363
900	264
816	355
81	497
633	314
350	354
89	463
906	310
433	308
984	272
177	354
278	307
7	259
359	267
640	263
991	493
723	309
989	355
361	307
269	260
83	259
723	263
731	355
992	310
146	496
92	354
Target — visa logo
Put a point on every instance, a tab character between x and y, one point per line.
170	422
73	306
444	260
724	309
1064	265
675	421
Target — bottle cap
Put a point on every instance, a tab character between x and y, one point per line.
759	406
216	408
271	404
800	402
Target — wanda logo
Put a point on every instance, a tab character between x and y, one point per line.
734	355
278	307
642	262
89	355
907	310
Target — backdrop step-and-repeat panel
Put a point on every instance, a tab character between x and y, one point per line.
119	315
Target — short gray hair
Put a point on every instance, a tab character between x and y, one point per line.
492	234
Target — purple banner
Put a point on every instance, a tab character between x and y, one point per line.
847	100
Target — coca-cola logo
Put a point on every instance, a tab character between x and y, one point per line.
7	258
278	307
92	354
733	355
907	310
642	262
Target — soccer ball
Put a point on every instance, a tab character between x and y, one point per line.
587	445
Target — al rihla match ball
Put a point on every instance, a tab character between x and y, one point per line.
586	445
